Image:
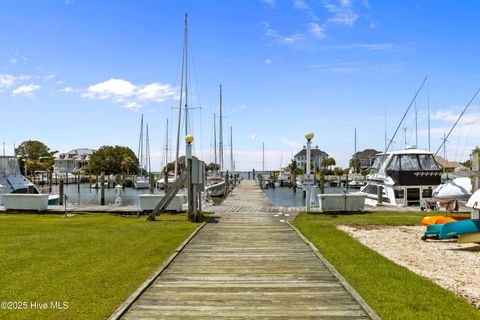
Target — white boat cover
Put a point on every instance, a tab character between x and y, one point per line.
458	189
474	201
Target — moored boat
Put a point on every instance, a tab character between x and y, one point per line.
406	178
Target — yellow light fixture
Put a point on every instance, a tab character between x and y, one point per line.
309	136
189	139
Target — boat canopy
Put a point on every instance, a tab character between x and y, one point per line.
9	166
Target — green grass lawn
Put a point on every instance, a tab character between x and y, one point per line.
392	291
92	262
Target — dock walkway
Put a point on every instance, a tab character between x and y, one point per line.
246	265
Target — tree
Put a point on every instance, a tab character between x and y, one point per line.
355	165
36	151
328	162
128	165
109	159
212	167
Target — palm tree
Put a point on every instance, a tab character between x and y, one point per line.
127	164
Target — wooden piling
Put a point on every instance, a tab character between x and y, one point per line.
102	189
60	191
151	182
322	182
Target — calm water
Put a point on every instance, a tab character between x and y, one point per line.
91	196
284	197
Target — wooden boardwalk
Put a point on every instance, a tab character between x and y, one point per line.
246	265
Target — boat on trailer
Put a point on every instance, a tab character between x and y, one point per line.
406	178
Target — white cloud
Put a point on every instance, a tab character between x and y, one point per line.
268	61
18	58
6	80
290	143
113	88
50	76
253	136
239	108
25	89
450	116
67	90
369	46
129	94
272	33
301	4
133	106
343	13
156	92
270	3
316	30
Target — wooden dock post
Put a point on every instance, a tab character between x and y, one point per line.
102	189
151	182
322	182
165	179
78	182
60	191
253	174
49	177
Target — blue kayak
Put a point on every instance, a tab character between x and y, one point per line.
454	229
433	230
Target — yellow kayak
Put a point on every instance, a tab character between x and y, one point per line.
469	238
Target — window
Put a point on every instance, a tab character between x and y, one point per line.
394	164
409	162
427	162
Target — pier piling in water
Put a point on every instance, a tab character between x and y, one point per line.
60	191
102	189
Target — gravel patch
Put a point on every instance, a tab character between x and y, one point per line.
449	264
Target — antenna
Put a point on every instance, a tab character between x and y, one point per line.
405	114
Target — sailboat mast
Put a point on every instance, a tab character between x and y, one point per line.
181	94
466	107
355	147
405	114
385	128
231	150
140	144
428	107
214	139
147	153
416	125
166	146
263	156
220	141
186	76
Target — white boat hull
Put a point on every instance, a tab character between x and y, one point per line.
141	184
20	201
148	202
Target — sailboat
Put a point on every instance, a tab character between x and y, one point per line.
142	181
216	184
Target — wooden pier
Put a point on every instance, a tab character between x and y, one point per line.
248	265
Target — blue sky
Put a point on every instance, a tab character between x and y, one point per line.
79	73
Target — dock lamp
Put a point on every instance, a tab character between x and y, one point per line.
308	179
188	167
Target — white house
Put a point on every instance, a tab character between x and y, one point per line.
72	161
317	156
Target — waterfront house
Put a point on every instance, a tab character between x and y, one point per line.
72	161
365	158
317	156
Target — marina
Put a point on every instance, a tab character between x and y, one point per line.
339	178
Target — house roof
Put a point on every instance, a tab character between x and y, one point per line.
366	154
447	164
314	152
